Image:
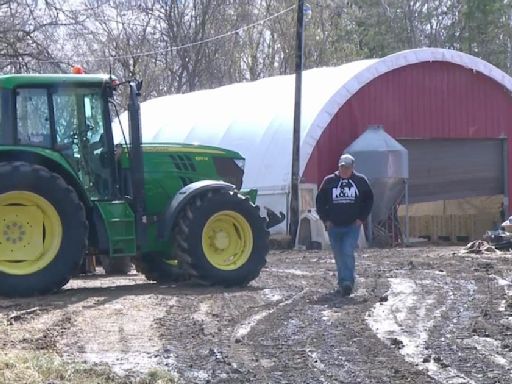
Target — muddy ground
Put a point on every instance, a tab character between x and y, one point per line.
418	315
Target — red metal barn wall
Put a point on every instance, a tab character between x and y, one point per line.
431	100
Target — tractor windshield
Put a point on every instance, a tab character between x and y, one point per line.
71	121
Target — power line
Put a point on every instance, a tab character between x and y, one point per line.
188	45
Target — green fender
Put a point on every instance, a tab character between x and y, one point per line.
181	199
49	159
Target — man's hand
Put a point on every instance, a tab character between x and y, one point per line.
358	222
328	225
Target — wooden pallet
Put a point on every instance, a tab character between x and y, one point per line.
450	228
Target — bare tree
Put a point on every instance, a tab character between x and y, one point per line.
182	46
27	31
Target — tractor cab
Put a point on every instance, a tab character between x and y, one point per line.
65	113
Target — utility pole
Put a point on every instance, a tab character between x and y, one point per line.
299	53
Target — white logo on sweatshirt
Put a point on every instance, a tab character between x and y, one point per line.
345	192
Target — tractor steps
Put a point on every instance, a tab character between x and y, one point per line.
120	224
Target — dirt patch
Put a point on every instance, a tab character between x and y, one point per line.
418	315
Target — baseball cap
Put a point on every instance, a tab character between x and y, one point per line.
346	159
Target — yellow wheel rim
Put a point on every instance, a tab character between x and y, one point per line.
30	232
227	240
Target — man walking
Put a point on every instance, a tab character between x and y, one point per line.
343	202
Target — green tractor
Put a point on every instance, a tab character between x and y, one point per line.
68	191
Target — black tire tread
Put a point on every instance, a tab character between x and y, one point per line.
153	268
184	241
80	224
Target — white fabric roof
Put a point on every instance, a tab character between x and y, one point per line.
256	118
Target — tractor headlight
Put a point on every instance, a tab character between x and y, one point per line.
240	163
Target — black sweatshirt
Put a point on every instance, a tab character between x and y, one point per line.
343	201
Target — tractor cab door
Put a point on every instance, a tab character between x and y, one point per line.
74	122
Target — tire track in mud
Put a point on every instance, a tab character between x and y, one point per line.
198	332
37	330
242	329
289	333
319	339
220	327
470	330
406	319
440	324
311	339
120	333
243	336
105	328
277	345
285	327
274	342
356	350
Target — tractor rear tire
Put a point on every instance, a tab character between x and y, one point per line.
155	268
120	265
221	239
43	225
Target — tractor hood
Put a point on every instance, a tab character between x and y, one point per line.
190	148
186	163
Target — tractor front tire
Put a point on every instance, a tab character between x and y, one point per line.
221	239
43	230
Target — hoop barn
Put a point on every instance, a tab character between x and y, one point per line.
452	111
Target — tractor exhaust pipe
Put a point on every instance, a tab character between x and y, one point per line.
136	160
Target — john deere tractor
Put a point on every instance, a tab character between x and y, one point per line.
67	190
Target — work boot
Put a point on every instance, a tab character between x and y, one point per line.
345	289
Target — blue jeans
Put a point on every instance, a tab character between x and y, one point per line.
343	243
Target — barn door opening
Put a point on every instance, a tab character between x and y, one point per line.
456	187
